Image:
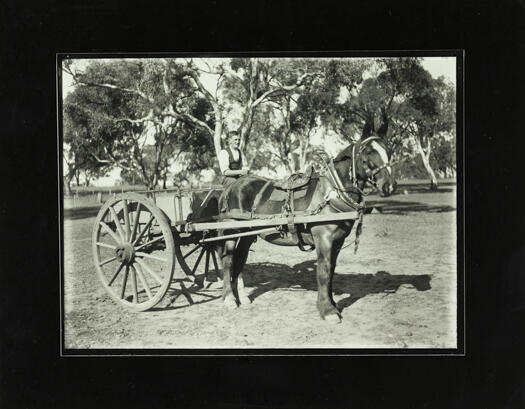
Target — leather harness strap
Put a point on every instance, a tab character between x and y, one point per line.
259	196
337	198
342	192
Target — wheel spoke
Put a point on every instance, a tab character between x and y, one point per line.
134	285
135	223
144	230
109	260
207	263
215	262
124	282
126	219
149	242
116	274
111	232
117	223
140	253
142	279
193	250
198	261
109	246
146	268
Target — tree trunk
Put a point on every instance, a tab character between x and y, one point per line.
425	157
68	178
153	183
288	164
67	184
305	147
217	132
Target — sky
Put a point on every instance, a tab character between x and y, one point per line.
441	66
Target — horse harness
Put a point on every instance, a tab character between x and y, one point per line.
337	197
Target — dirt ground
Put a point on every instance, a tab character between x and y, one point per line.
398	291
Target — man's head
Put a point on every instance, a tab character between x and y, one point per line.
234	139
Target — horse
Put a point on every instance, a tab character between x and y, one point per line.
340	188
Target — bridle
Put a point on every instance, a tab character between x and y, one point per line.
338	190
360	146
357	149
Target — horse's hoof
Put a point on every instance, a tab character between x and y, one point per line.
333	318
230	303
245	300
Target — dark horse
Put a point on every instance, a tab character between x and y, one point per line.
339	189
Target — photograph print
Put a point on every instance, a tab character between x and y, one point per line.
261	204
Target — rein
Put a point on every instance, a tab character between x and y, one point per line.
337	184
369	175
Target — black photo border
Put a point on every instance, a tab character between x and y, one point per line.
458	54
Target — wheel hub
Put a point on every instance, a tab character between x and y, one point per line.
125	253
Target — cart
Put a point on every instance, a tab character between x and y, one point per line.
143	241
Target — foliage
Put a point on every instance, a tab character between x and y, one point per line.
143	115
137	115
443	156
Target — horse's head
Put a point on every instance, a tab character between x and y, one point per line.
370	160
373	166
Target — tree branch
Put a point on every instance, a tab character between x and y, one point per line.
79	81
189	118
284	88
191	72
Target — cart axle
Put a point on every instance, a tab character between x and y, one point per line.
125	253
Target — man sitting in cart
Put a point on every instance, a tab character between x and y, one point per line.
232	162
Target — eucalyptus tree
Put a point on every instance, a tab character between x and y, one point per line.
138	115
400	102
296	116
430	122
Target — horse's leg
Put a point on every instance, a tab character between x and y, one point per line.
241	255
324	245
228	256
219	252
336	248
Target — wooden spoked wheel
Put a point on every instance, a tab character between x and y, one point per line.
133	251
200	261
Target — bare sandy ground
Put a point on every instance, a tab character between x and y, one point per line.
398	291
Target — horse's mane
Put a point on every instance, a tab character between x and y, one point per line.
346	153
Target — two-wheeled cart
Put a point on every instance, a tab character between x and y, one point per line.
140	237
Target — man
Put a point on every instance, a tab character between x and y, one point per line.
231	161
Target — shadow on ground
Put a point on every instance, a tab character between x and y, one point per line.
265	277
76	213
270	276
404	207
443	187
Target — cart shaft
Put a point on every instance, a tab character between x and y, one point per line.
278	221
